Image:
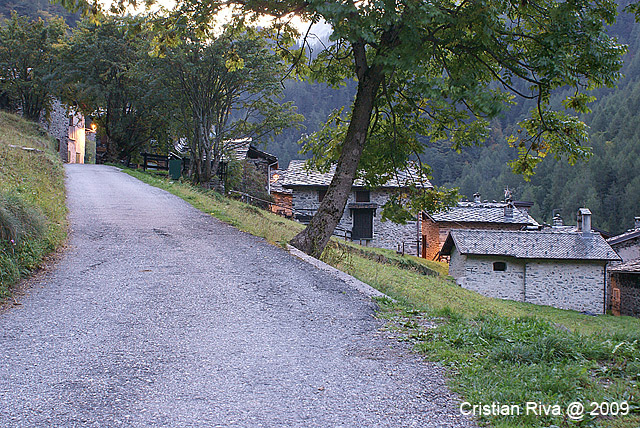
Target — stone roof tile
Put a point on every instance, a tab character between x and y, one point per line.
632	266
626	236
474	212
297	175
539	244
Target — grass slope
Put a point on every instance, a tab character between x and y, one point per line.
495	350
32	199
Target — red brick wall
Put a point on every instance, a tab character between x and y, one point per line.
433	231
284	203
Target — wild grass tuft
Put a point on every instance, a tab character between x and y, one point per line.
32	199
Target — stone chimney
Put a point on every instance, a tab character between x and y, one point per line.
476	198
508	210
584	221
637	222
557	220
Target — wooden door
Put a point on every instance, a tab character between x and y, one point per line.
615	301
362	224
424	246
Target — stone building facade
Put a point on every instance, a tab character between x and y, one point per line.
562	267
627	244
68	129
361	220
384	234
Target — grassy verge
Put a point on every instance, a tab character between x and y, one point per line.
495	350
32	199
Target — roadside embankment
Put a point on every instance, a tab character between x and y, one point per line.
32	199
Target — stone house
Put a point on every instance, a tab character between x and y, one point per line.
625	288
563	267
361	221
472	215
68	128
263	161
627	244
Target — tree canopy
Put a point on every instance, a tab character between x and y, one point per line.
28	55
102	71
441	70
222	90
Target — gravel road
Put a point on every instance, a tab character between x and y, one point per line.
158	315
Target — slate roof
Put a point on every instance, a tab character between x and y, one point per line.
245	150
562	244
630	234
297	175
483	212
632	266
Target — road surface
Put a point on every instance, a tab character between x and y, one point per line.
158	315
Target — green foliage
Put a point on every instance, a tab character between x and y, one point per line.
19	221
405	206
103	71
252	181
28	55
517	360
222	91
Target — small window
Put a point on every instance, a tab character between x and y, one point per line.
363	196
321	194
499	266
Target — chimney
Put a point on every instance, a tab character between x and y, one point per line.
508	210
476	198
557	220
584	221
637	222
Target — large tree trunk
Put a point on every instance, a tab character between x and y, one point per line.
316	235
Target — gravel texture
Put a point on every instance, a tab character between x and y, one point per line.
158	315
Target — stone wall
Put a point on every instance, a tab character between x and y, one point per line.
58	127
629	285
628	250
70	140
480	277
576	285
457	266
385	234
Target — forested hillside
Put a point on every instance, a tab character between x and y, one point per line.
315	102
36	9
608	184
